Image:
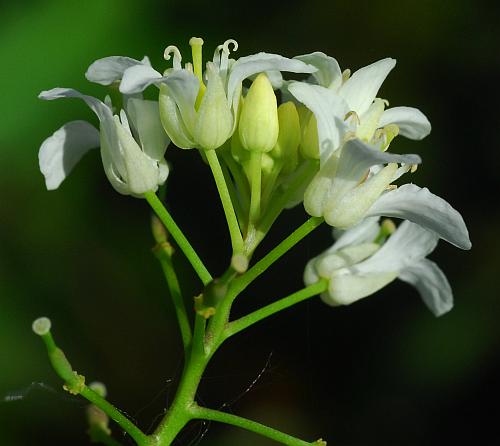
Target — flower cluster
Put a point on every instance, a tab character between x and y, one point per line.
324	143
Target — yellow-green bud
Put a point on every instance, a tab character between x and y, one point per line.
259	127
286	148
309	146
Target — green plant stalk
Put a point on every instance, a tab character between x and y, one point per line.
64	369
233	194
215	415
232	221
179	237
175	292
264	312
112	412
239	178
179	413
256	188
221	317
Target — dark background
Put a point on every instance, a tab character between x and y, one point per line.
381	372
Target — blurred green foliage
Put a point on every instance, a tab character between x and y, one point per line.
382	372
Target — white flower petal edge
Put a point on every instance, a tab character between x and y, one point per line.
362	87
110	69
60	152
328	74
329	110
137	78
432	285
411	121
354	272
421	206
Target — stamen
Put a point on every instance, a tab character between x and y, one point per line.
346	74
226	50
172	49
413	168
188	66
352	114
391	187
196	44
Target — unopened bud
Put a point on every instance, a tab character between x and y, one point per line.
258	126
309	146
286	148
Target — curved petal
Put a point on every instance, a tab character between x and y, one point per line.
138	77
319	189
362	87
345	288
406	247
327	263
357	157
364	232
214	122
411	121
182	87
256	63
60	152
107	70
328	74
421	206
102	111
171	120
432	285
145	117
329	110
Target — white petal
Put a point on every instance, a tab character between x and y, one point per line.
362	87
145	117
319	189
310	274
364	232
329	110
214	121
60	152
137	78
328	74
357	157
411	121
426	209
256	63
406	247
182	87
432	285
142	172
327	263
98	107
107	70
345	288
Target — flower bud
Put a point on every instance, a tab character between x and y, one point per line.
309	146
259	127
286	148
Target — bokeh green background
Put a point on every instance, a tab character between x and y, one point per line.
381	372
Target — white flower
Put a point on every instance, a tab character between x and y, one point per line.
132	143
341	103
356	266
199	115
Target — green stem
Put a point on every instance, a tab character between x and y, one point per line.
75	384
232	221
233	194
204	413
296	236
179	237
138	436
286	302
165	257
179	414
221	317
255	181
239	178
